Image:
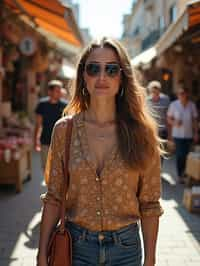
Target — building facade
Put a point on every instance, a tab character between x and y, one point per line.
148	20
163	40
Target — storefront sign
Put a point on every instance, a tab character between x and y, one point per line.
28	46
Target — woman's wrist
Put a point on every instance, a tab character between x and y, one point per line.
41	254
149	262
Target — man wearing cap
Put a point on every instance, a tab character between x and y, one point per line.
48	111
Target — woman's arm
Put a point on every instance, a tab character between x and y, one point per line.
50	217
54	177
150	208
150	231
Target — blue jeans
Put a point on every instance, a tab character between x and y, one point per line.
109	248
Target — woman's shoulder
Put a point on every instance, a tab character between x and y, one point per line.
62	123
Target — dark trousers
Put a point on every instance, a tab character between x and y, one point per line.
163	134
182	149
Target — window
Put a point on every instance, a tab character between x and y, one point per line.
172	13
136	31
161	23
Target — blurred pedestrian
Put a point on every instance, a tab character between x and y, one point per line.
159	102
182	116
48	111
64	94
114	165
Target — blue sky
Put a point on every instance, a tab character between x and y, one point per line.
103	17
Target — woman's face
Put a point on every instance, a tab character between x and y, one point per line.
102	73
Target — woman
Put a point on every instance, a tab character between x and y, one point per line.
114	165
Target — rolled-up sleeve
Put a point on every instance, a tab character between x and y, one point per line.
54	175
150	189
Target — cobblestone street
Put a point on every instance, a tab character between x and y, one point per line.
179	238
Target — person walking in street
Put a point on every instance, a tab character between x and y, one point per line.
48	111
114	165
159	102
182	116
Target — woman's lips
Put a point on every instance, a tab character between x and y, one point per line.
101	87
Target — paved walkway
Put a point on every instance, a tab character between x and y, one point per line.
179	238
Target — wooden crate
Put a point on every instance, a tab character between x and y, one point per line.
192	170
191	201
16	171
193	167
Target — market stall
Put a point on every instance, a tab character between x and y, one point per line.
15	150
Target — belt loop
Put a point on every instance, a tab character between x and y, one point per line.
115	237
84	235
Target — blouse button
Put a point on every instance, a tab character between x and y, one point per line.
98	213
98	198
97	179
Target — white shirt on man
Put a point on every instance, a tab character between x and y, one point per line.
185	114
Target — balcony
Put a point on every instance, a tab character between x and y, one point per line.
151	38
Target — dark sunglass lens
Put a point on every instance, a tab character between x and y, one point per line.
112	69
92	69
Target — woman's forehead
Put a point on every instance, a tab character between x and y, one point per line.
103	55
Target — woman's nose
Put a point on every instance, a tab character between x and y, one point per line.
102	74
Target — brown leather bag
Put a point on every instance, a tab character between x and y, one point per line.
59	251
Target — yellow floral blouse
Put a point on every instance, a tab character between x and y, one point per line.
116	198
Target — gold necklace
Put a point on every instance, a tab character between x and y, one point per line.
101	126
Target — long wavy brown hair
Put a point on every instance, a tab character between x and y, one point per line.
136	129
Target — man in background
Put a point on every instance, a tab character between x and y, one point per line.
159	103
182	116
48	111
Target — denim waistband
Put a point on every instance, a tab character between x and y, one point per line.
105	236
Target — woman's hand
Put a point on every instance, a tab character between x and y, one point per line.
149	263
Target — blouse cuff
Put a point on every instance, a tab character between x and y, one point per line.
48	198
151	209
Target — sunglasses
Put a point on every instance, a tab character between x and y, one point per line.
111	69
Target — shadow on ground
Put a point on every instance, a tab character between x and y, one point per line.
172	190
18	223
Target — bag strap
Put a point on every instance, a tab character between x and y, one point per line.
66	174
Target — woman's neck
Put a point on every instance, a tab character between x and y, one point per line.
101	112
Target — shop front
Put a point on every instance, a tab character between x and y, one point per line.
29	57
175	58
178	50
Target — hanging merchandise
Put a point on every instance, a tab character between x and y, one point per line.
39	62
10	31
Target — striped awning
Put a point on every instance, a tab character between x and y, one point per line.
49	16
